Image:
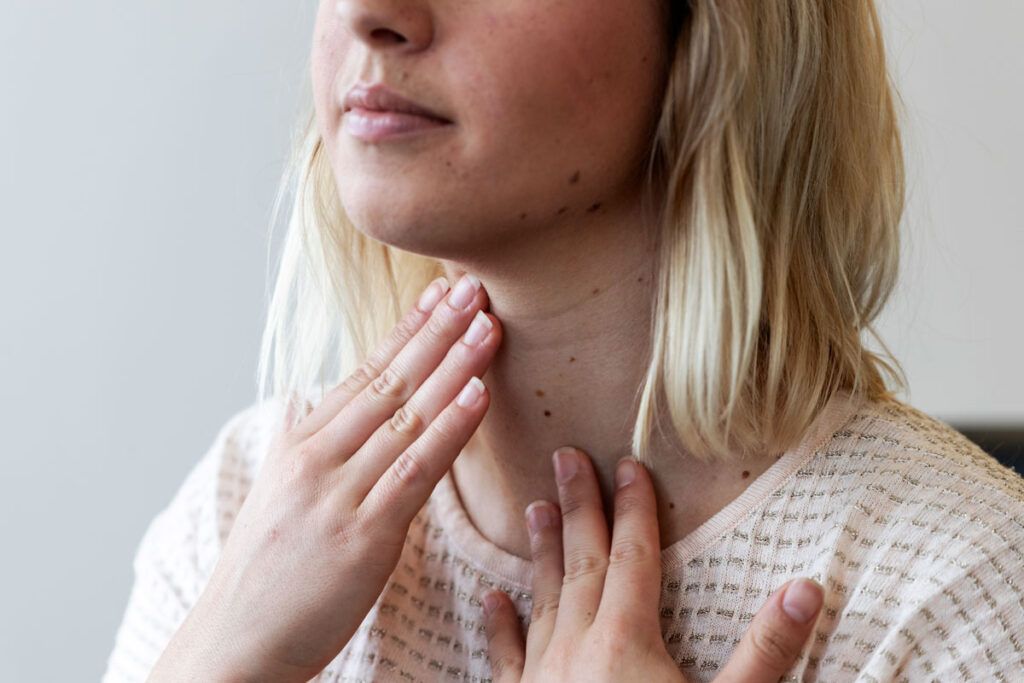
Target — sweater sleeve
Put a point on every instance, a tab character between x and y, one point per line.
174	559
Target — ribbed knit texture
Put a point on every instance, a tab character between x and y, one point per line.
915	533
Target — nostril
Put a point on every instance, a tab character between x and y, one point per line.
387	34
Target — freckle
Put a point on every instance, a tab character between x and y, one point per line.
540	392
522	216
447	163
746	474
640	279
572	359
594	207
563	210
547	413
596	290
575	178
672	506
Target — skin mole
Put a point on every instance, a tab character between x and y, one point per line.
563	210
547	413
575	178
572	359
596	290
522	216
540	392
746	474
672	506
594	207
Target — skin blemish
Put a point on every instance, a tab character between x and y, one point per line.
672	506
594	207
595	290
575	178
640	279
540	392
547	413
522	216
746	474
563	210
572	359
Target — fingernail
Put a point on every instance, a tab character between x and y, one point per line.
565	464
471	393
538	516
802	600
490	601
625	473
478	329
464	291
434	292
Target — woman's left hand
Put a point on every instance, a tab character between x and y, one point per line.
595	603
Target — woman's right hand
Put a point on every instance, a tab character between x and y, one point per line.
324	525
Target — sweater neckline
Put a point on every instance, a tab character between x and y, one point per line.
480	552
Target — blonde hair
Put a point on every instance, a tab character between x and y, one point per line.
779	162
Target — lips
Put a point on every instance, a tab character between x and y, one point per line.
379	98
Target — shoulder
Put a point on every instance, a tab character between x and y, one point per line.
912	462
926	533
186	535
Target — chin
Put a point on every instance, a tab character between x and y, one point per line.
418	232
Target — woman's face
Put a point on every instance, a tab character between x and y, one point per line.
552	104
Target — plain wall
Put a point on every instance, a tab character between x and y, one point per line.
142	145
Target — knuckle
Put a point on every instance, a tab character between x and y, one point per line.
770	647
408	470
436	328
628	503
572	505
582	563
407	327
506	665
544	605
628	551
362	376
389	384
304	465
407	421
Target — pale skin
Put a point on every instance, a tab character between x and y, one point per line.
552	104
506	194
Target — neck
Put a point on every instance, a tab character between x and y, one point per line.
576	330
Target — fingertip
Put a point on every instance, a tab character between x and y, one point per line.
492	600
802	600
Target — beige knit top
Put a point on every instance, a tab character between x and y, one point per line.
916	534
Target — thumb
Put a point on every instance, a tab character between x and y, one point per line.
505	648
775	637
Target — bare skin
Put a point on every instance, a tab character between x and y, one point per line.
535	188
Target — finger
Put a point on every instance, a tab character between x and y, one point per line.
406	329
504	638
632	588
467	358
401	492
776	636
584	539
383	396
543	520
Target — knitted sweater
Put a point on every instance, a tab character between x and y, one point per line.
915	533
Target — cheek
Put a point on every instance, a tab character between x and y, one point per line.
545	96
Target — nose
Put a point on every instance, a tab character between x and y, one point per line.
387	24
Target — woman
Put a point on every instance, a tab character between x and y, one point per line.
672	223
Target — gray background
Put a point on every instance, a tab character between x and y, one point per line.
141	148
